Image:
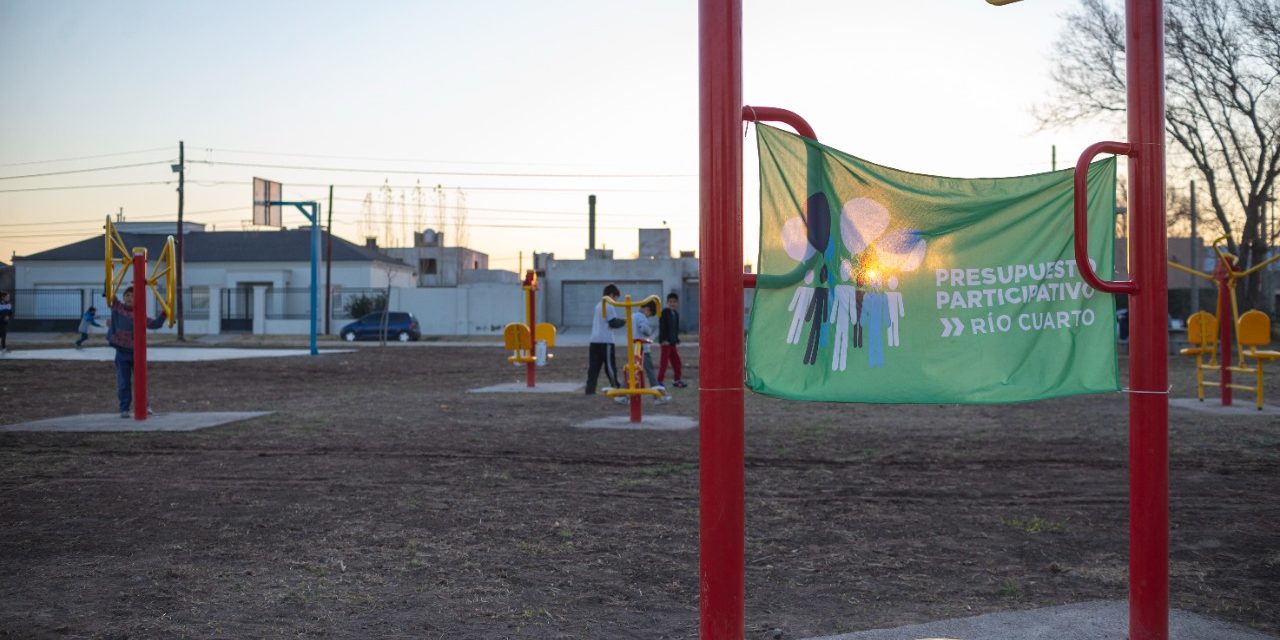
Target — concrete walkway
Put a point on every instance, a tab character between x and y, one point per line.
112	422
539	387
648	422
1242	405
1098	620
162	354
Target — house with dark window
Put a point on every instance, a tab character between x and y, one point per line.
441	266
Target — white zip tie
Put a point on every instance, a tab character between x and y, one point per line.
1155	393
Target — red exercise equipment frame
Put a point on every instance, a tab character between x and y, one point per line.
721	394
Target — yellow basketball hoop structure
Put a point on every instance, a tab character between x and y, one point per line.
117	260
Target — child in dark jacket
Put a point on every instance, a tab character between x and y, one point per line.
121	337
669	338
90	319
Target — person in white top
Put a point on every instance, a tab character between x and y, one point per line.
604	319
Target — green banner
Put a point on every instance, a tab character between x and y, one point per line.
878	285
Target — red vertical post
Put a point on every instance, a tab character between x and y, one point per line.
530	377
1149	339
140	334
1226	323
636	402
720	395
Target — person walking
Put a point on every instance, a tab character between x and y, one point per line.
600	353
121	337
669	339
89	319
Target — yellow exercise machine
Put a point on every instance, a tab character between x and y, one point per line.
1253	331
635	363
1208	336
1202	334
118	260
530	343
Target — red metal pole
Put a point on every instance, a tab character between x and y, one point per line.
1226	320
720	395
530	377
139	334
636	411
1149	339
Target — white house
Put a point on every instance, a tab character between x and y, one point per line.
259	281
238	280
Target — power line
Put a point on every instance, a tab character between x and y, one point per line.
443	173
69	171
533	211
88	186
242	183
132	216
377	159
93	157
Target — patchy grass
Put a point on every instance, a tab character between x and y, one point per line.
1034	525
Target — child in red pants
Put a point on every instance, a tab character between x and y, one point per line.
669	338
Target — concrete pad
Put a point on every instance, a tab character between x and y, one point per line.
1098	620
157	422
648	422
521	387
1240	406
163	354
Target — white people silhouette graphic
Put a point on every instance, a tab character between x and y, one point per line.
843	315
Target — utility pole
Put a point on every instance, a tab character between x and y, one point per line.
1053	157
1195	254
182	174
328	269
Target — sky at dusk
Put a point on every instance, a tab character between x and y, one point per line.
515	111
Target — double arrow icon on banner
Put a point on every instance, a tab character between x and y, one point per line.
952	327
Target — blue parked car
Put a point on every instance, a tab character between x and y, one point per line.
401	326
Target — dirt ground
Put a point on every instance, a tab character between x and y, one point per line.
381	500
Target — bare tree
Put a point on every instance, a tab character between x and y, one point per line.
1222	66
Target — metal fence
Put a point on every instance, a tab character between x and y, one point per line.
195	302
48	304
237	309
47	309
288	303
348	302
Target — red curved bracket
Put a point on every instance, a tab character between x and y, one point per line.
774	114
1082	218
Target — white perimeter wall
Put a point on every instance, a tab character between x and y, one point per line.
467	310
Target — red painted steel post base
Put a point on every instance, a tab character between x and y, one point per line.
530	376
1226	320
721	481
1149	340
139	334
